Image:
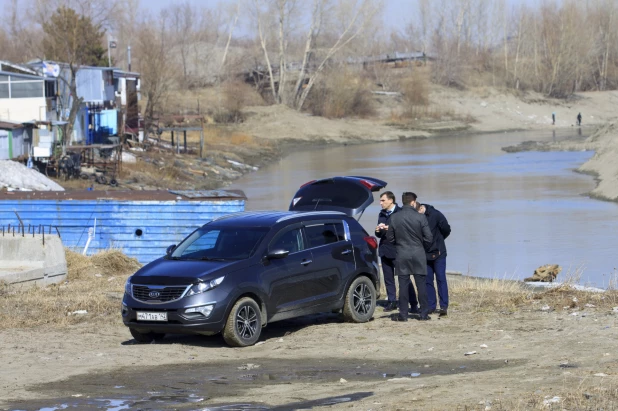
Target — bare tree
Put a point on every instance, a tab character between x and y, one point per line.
154	64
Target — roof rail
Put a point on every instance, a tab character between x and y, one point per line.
239	214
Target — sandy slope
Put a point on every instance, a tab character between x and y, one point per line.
496	111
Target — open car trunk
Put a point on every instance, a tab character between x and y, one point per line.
350	195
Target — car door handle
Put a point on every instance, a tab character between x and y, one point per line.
305	262
346	252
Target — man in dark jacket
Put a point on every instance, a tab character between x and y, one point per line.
409	231
388	253
436	258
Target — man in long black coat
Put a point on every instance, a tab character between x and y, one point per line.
409	231
388	253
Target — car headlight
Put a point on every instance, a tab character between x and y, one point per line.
127	286
205	286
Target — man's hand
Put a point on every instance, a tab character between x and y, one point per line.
381	226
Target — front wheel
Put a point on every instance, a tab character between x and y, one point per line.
146	337
360	301
244	323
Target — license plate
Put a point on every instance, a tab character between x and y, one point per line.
142	316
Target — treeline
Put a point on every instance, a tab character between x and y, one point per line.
553	47
289	50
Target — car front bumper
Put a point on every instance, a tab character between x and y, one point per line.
178	321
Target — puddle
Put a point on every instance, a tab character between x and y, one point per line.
197	386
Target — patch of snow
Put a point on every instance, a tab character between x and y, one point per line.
16	176
573	286
128	158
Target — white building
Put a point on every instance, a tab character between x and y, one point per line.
22	97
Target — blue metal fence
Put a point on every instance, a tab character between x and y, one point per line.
141	229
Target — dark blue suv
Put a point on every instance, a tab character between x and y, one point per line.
239	272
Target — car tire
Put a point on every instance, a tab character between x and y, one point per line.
244	323
360	301
146	337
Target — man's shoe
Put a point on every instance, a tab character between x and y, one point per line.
425	318
414	310
396	317
443	312
391	306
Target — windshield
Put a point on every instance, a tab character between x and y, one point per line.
219	244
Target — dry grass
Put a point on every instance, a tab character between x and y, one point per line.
579	392
477	295
94	284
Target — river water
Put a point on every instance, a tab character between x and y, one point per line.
509	213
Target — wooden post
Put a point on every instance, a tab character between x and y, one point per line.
185	137
172	138
178	145
202	137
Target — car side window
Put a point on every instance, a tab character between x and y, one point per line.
291	240
324	233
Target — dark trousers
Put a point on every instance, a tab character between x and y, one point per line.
404	298
437	268
388	269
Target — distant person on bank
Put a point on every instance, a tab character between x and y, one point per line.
436	258
409	231
579	119
388	253
553	118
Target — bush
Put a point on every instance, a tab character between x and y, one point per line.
235	95
415	88
341	94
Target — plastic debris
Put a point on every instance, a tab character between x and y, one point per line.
553	400
79	312
471	353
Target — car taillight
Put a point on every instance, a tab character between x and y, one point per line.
373	243
308	182
368	184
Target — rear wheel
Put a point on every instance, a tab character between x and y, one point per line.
360	301
146	337
244	323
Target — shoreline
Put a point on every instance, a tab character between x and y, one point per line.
601	166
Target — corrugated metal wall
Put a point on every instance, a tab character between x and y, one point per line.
90	84
4	145
18	142
141	229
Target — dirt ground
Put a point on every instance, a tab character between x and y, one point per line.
536	356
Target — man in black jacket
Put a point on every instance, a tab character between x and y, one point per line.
436	258
409	231
388	253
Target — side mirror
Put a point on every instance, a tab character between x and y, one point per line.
277	254
170	249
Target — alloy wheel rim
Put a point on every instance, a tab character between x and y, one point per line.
246	322
362	299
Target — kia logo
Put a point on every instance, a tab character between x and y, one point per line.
154	294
